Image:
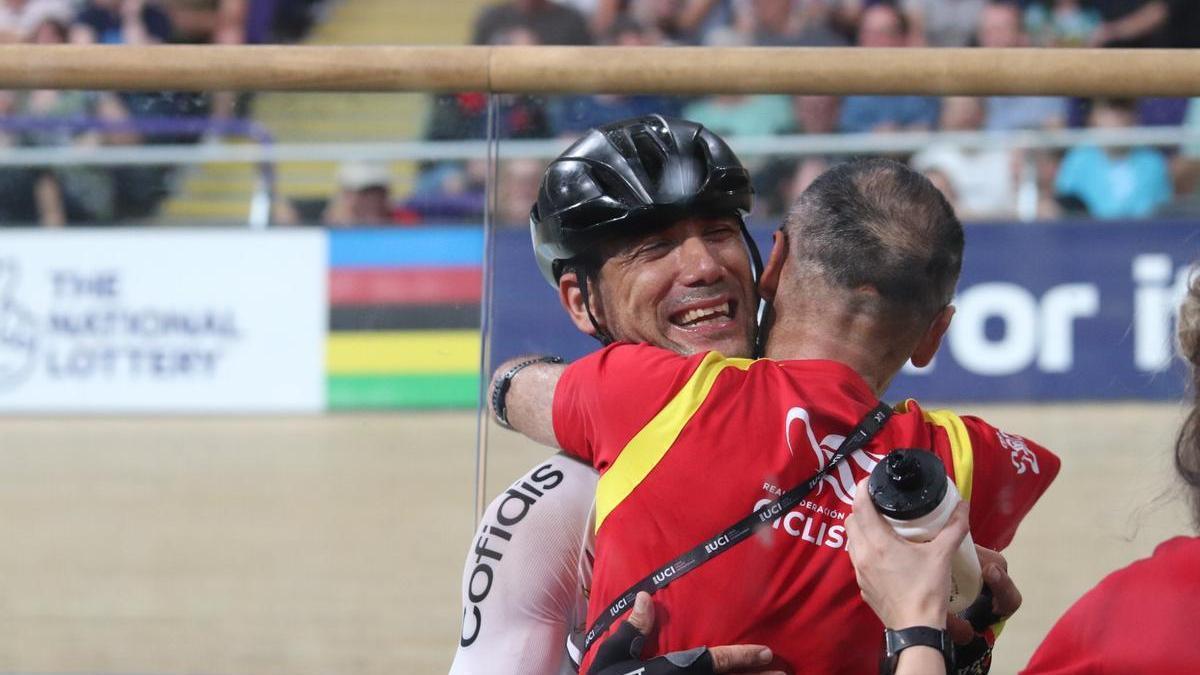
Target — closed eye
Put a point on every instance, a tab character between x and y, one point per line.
720	232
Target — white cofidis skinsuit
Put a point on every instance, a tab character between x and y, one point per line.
525	581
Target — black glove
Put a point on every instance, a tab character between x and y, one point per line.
621	654
975	657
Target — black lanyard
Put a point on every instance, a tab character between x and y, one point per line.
739	531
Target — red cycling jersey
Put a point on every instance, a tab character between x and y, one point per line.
1137	620
688	445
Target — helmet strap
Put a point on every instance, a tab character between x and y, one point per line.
763	310
602	335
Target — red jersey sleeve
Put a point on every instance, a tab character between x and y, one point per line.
605	398
1010	474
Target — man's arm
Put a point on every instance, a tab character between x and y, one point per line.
524	396
522	591
1139	23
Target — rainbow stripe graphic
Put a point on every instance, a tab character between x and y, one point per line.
404	318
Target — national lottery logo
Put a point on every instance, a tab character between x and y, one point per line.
18	330
70	326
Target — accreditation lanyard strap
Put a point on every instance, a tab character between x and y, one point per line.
739	531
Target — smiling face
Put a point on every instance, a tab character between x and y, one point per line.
688	287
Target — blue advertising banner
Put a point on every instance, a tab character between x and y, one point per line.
1052	311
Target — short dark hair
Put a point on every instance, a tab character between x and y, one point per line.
878	223
1187	444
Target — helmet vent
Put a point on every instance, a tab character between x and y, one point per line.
653	157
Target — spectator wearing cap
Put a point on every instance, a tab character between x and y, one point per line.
364	197
1114	183
884	25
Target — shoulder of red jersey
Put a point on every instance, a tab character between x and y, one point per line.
605	398
1002	474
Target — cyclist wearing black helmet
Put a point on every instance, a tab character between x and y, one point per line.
861	280
639	226
649	214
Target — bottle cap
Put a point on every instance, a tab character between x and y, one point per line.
908	483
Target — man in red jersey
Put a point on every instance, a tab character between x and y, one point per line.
860	282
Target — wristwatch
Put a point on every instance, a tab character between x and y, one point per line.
896	641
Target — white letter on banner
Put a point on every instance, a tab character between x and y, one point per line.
969	342
1155	304
1060	307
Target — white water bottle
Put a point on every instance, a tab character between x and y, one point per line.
911	490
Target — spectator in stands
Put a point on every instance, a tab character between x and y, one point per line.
208	21
687	22
116	22
942	23
1060	23
884	25
1131	23
1000	26
730	116
550	22
1187	165
56	196
1114	183
516	189
17	17
784	23
781	181
464	116
364	197
220	22
741	115
982	179
572	115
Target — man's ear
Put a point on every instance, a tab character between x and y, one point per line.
932	339
768	285
571	297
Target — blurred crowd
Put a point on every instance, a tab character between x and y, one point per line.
990	184
57	195
997	183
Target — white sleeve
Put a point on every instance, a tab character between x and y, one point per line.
521	589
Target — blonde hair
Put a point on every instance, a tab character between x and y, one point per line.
1187	444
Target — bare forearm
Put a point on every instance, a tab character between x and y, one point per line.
528	398
1145	20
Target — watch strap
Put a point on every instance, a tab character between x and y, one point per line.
896	641
500	390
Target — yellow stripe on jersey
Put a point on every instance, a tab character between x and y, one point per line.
960	448
646	449
963	455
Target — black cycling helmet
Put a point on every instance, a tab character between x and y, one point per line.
637	174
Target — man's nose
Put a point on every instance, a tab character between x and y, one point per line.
700	266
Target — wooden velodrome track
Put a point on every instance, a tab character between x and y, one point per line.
335	544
